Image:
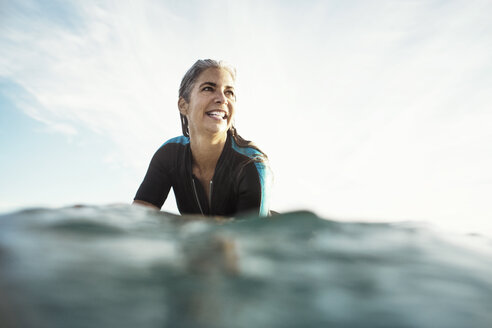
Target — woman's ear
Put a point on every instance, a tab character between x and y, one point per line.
183	106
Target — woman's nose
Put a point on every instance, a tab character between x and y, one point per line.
221	98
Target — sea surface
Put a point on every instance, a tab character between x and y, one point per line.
128	266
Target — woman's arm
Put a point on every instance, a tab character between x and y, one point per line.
255	189
156	185
144	203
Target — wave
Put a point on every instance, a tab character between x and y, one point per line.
128	266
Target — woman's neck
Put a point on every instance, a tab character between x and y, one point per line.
206	150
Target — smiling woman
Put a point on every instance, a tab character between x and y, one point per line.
211	168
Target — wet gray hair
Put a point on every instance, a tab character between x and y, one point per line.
187	84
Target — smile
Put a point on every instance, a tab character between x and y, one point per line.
218	114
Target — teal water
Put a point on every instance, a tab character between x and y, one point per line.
124	266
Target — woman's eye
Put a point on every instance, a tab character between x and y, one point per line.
230	93
207	89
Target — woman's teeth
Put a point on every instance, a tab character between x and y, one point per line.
218	114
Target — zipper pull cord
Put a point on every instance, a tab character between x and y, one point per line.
210	197
196	196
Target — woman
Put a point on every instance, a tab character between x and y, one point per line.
213	170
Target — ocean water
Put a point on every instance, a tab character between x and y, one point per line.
127	266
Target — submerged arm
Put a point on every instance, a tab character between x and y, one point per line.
144	203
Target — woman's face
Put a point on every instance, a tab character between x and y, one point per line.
211	106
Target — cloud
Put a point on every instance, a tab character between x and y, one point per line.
111	73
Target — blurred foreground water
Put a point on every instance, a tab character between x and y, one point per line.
124	266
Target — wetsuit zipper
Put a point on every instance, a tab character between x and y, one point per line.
210	197
196	195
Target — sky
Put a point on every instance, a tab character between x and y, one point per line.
368	110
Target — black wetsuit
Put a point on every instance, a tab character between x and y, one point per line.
240	183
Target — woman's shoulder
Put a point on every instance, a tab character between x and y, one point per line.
252	160
181	140
171	149
174	144
252	153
